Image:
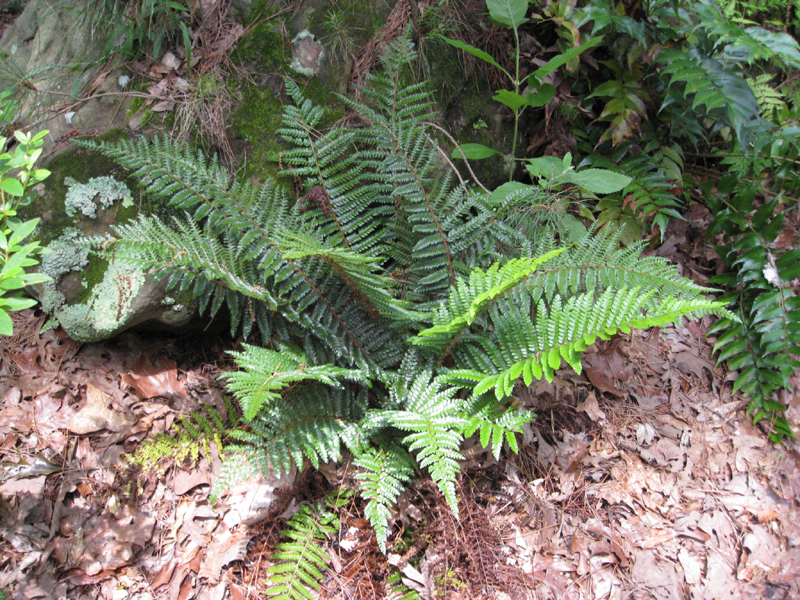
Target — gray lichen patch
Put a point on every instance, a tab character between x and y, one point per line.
64	255
99	192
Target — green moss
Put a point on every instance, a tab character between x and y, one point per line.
324	94
263	49
256	120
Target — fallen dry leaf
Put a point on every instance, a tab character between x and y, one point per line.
224	548
152	380
95	415
111	541
591	408
599	371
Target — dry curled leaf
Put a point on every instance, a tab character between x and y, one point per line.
223	549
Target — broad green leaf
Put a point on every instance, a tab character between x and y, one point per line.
17	259
511	99
12	186
34	278
542	96
575	229
473	152
510	13
563	58
499	196
12	304
21	231
6	325
484	56
598	181
516	101
546	167
11	283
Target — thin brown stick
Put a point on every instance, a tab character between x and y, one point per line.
455	143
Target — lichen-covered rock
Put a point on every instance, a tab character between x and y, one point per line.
307	54
92	297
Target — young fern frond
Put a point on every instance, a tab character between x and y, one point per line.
431	415
299	573
496	423
386	471
771	101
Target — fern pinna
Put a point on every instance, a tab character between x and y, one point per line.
396	307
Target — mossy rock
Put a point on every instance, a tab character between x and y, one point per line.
266	53
92	297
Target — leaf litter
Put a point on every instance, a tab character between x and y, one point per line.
641	478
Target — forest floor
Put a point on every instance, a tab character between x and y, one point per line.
641	478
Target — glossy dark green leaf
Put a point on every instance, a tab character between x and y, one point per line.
473	152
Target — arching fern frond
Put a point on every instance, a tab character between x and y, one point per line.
534	348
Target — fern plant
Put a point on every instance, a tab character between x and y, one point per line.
199	430
396	307
760	344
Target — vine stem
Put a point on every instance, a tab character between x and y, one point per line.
517	111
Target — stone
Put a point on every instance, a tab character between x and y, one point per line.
51	57
94	298
307	54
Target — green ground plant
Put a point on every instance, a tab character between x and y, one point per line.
395	308
688	97
137	28
18	173
528	91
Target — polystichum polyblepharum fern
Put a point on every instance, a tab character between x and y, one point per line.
396	308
